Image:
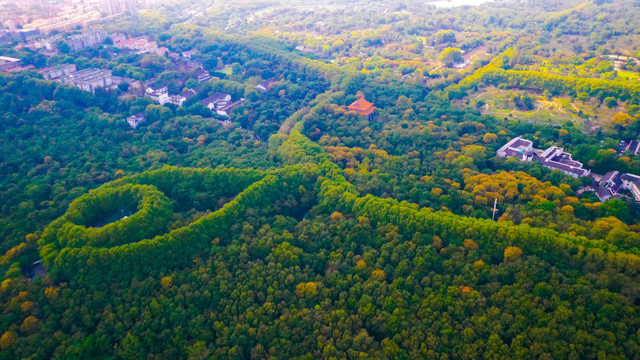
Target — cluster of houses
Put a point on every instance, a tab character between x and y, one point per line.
219	103
612	182
93	78
24	35
554	157
87	39
77	42
22	23
606	187
629	146
142	45
9	64
160	93
87	79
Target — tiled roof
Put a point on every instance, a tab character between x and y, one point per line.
230	106
566	168
215	97
362	106
608	176
521	143
512	152
631	178
604	194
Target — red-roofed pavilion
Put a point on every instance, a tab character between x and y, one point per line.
362	107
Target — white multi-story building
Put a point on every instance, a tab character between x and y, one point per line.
88	39
89	79
55	72
554	157
135	119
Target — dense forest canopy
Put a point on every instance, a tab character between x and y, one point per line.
296	226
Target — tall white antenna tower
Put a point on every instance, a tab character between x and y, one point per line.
495	209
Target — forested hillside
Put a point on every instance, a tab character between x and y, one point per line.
315	270
298	227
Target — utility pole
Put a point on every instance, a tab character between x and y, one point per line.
495	209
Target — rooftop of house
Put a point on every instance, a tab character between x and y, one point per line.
215	97
607	187
512	152
57	67
228	106
608	177
265	84
138	115
578	171
635	179
6	59
604	193
362	107
158	86
565	159
186	95
361	104
516	147
202	74
86	74
521	143
632	146
189	93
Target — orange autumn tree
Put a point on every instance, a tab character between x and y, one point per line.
512	253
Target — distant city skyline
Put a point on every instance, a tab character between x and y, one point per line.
50	15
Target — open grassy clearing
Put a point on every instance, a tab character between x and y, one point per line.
628	75
555	111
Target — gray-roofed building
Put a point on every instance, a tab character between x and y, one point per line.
215	99
613	181
608	180
158	88
202	75
27	35
629	146
567	169
265	85
631	182
7	63
608	186
180	99
54	72
87	39
159	93
89	79
135	119
517	147
221	103
604	194
224	108
554	157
